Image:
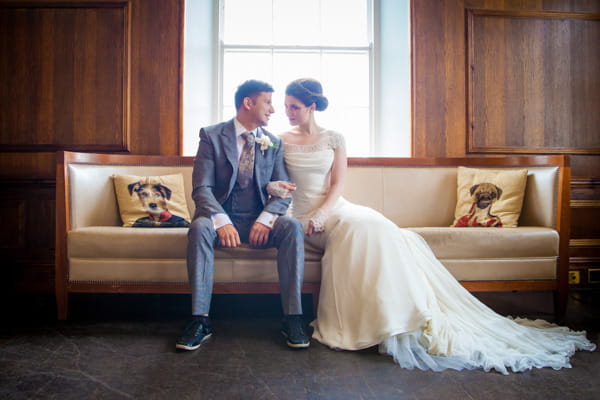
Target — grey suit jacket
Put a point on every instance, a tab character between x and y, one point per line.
216	168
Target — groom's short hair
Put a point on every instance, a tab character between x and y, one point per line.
250	88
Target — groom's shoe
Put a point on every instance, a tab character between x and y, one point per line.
293	328
194	334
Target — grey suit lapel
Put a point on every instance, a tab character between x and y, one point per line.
229	141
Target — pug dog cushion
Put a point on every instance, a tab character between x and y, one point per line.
152	201
489	197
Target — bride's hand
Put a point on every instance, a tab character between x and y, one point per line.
281	189
317	222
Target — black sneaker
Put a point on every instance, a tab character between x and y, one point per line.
196	332
294	331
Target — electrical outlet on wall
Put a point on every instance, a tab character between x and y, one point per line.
574	278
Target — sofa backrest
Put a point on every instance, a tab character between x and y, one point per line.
92	192
426	195
410	195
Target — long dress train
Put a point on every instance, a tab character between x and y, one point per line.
382	285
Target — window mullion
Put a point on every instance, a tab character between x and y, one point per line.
294	47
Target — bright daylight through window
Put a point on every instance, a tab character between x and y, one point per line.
280	40
358	49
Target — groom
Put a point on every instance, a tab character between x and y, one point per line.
235	161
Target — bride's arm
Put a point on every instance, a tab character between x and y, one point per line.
337	179
336	187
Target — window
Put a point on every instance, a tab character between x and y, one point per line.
358	49
279	41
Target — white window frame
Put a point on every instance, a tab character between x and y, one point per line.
390	114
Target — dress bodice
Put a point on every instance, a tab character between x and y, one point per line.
309	166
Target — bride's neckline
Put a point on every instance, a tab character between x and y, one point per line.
321	135
322	143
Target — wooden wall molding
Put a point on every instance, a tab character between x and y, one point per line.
20	182
584	243
579	261
586	182
585	192
527	14
585	203
532	83
69	64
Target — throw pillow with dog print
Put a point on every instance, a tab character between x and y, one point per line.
152	201
489	197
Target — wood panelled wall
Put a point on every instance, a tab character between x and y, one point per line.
489	77
513	77
82	75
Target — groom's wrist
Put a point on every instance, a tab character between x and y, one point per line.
267	219
220	219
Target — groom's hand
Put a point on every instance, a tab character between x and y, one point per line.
228	236
311	228
259	235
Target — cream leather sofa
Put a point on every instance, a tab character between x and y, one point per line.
94	253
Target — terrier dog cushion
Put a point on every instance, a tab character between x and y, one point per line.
152	201
489	197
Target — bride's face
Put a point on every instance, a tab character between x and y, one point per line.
297	112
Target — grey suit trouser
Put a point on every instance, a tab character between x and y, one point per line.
286	235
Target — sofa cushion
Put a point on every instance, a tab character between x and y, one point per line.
152	201
175	271
501	269
489	197
161	243
477	243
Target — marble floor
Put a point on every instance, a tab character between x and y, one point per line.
122	347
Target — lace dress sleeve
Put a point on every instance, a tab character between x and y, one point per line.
278	189
337	140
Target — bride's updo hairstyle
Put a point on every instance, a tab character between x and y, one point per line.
309	92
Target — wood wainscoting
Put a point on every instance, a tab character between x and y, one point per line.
78	75
584	243
514	77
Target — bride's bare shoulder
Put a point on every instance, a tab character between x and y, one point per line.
284	135
290	137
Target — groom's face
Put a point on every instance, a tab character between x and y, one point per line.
261	108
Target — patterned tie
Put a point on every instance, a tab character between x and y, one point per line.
246	167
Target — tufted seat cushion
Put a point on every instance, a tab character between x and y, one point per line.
121	254
527	241
473	254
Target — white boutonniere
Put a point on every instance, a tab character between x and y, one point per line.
265	143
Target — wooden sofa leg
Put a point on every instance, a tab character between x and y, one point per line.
62	305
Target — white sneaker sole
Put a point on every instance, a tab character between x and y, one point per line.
189	348
295	345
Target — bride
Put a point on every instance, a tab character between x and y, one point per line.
382	285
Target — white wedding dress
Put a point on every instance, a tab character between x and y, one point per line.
382	285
